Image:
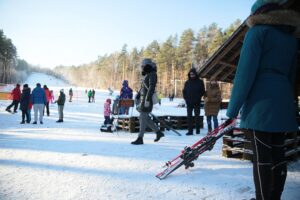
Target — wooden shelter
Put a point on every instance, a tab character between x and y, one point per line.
222	64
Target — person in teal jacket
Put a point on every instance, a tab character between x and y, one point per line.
263	91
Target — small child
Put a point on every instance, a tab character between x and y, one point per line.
108	120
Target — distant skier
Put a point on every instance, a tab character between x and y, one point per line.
70	95
89	95
38	99
93	95
60	103
16	95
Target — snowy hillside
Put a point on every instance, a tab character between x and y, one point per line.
44	79
74	160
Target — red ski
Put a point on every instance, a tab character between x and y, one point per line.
189	154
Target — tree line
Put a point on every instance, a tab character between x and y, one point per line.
13	69
174	58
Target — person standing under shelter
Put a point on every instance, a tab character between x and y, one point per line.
212	104
192	93
16	95
263	91
145	105
38	99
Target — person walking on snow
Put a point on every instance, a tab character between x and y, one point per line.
89	95
264	89
38	99
192	93
212	104
60	105
24	103
144	97
16	95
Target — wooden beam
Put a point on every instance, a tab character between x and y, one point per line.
227	64
227	74
222	52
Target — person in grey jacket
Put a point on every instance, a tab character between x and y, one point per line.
144	97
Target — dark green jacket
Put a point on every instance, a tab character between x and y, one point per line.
61	99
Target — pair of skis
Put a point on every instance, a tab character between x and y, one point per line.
189	154
165	124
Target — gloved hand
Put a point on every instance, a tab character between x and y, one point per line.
147	104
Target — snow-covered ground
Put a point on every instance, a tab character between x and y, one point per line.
74	160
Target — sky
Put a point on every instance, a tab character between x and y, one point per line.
49	33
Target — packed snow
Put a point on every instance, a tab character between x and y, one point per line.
74	160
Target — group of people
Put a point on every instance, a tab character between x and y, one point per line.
38	99
91	95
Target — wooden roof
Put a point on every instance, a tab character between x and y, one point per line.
222	64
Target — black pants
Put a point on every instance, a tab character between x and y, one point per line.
14	103
269	164
196	109
47	109
25	113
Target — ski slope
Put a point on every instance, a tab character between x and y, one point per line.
74	160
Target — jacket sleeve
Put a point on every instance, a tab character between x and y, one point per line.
184	91
246	70
152	85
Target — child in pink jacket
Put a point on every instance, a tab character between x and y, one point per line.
107	112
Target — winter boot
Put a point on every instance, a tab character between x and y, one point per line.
159	135
41	122
189	133
60	120
138	141
22	122
34	123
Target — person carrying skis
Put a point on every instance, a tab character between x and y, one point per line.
192	93
16	95
144	97
264	89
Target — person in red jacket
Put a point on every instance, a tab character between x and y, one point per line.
48	98
16	95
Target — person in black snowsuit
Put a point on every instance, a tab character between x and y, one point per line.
144	97
192	93
24	103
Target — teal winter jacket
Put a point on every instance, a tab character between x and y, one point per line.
263	88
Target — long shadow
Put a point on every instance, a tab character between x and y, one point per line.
114	148
137	176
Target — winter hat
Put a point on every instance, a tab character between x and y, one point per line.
261	6
25	86
125	83
62	90
108	100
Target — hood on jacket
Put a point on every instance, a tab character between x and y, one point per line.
195	72
288	18
108	101
148	66
125	83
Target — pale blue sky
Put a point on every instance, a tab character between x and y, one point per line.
73	32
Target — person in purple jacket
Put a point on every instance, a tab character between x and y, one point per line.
38	99
125	93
